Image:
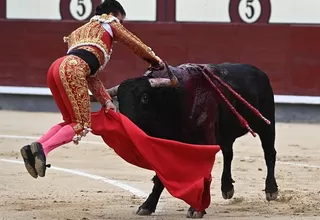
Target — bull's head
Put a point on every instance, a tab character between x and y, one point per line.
154	82
151	103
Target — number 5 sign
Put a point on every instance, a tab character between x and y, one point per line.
250	11
78	9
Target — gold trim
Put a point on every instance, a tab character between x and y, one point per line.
90	33
73	72
125	37
99	55
98	90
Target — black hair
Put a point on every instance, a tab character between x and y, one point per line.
110	6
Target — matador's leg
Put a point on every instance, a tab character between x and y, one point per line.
73	88
58	100
26	153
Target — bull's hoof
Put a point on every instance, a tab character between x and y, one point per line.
194	214
142	211
271	196
229	194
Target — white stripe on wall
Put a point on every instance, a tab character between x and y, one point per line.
202	10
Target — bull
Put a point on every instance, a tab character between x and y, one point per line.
203	104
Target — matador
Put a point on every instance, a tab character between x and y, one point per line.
71	76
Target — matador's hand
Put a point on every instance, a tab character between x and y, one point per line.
157	66
110	105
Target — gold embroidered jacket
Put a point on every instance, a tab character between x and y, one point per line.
98	39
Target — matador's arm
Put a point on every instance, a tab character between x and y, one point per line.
125	37
98	90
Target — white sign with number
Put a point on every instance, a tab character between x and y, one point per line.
281	11
249	10
80	9
137	10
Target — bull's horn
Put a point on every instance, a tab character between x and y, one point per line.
172	77
160	82
113	91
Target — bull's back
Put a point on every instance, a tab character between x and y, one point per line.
203	115
241	75
207	115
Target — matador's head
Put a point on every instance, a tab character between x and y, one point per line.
111	7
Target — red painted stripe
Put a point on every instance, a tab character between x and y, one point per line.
280	50
161	9
3	9
171	10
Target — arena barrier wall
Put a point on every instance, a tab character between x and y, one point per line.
286	47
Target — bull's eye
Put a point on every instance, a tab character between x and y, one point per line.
144	98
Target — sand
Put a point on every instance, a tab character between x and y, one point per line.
62	195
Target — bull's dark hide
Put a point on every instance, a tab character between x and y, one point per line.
195	113
200	106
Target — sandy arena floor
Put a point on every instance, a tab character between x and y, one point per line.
103	191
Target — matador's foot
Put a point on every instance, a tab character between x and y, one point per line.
39	158
29	161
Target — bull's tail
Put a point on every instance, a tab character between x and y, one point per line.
243	122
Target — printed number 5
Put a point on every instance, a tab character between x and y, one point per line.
83	10
249	5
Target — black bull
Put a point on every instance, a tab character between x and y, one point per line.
187	108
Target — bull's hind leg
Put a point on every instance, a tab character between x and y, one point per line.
227	188
267	137
150	205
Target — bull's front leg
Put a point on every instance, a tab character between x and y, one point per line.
227	188
150	205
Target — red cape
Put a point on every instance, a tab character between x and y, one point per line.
184	169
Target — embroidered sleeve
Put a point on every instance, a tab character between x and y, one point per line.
98	90
125	37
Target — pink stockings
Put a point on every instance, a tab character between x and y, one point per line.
58	135
51	132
